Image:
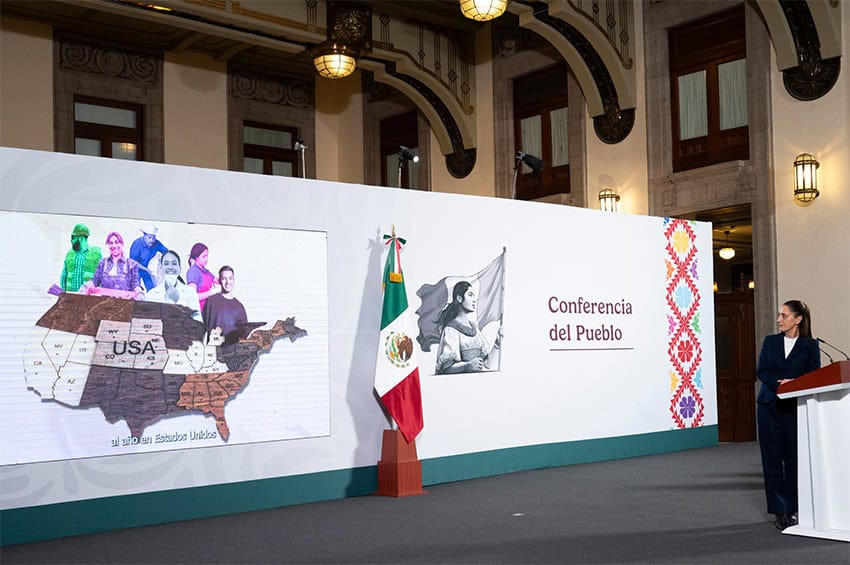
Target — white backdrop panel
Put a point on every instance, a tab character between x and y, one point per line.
538	396
279	274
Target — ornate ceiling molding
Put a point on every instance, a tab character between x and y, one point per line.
813	76
108	61
807	40
285	91
433	70
607	84
614	20
450	125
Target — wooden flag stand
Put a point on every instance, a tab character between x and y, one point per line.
399	470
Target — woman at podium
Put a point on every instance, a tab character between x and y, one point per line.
784	356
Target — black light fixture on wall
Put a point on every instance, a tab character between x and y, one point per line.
404	155
536	165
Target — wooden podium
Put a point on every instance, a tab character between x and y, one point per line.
399	470
823	445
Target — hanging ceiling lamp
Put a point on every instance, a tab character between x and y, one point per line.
726	253
335	61
349	32
483	10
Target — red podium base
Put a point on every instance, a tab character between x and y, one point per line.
399	470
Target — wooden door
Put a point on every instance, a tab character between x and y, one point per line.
734	332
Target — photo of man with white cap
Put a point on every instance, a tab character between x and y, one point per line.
143	250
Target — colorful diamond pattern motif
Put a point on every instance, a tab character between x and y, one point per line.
684	348
685	352
674	381
698	378
672	324
683	297
687	407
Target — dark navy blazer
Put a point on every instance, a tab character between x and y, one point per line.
773	365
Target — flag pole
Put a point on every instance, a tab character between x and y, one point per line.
399	469
392	249
504	269
502	305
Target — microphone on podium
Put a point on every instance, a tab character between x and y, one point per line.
828	356
823	341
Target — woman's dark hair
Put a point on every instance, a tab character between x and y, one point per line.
196	251
171	252
452	309
800	309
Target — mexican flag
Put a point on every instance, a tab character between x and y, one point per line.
396	372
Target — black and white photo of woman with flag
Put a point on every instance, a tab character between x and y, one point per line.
464	316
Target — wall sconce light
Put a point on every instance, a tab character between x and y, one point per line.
349	33
726	253
751	285
483	10
714	287
609	200
805	178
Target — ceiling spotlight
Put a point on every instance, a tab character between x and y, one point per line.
534	163
405	154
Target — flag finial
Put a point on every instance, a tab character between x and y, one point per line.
392	271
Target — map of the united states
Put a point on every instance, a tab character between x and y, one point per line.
140	361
